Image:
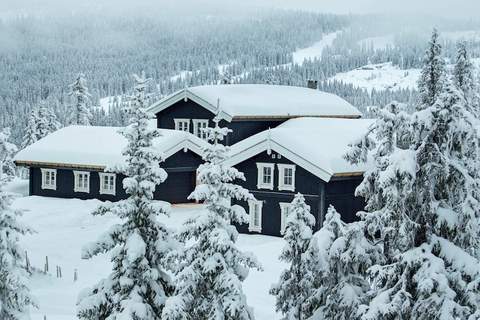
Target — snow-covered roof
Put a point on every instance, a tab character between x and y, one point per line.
98	147
262	101
316	144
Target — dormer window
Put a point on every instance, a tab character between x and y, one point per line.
198	128
265	175
182	124
286	177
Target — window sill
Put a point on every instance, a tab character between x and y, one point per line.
266	187
49	188
286	188
108	193
254	229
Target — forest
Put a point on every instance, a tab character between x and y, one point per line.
40	57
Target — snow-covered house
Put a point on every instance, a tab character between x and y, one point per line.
285	139
301	155
247	109
71	163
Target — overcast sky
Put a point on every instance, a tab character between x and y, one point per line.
445	8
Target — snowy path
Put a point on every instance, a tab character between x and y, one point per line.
63	226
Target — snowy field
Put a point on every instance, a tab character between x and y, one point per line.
380	77
63	226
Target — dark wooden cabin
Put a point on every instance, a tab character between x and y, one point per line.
281	163
77	169
280	129
246	109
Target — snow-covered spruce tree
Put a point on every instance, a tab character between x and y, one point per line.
47	121
211	268
432	77
435	273
31	131
139	283
15	299
341	255
295	284
81	96
463	70
388	182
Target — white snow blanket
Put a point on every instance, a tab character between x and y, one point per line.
316	144
258	100
99	146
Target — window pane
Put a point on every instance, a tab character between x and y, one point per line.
267	174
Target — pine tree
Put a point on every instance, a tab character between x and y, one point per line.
387	184
432	77
79	91
463	70
422	203
46	121
211	267
342	255
31	131
15	298
295	284
139	283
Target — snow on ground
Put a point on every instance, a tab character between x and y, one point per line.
107	102
314	51
380	77
63	226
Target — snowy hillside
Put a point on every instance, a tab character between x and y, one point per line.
63	226
315	50
380	77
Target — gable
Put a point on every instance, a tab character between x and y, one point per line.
305	182
182	110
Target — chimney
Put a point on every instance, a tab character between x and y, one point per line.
312	84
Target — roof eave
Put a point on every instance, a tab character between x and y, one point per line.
287	117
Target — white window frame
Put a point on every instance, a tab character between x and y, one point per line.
103	190
196	126
252	206
281	177
260	176
182	121
48	185
76	183
284	208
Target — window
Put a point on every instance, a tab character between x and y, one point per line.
198	126
255	210
286	177
265	176
107	183
284	211
82	181
182	124
49	179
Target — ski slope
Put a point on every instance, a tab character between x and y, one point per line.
63	226
315	50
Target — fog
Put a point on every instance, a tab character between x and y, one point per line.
443	8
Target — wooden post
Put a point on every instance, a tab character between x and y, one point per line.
45	269
75	275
